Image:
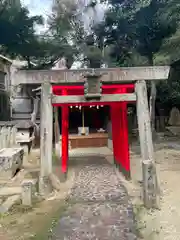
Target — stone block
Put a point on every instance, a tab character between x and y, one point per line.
8	203
27	194
33	183
11	160
45	186
9	191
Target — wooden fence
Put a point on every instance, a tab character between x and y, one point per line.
7	136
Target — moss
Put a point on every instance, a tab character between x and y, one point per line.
46	231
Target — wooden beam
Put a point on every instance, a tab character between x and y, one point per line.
113	75
150	183
104	98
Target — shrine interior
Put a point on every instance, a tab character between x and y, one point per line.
95	117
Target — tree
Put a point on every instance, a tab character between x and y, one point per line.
139	28
117	31
18	31
67	29
19	38
153	25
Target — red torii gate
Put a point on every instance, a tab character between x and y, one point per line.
118	118
114	87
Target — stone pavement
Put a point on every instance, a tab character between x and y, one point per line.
98	205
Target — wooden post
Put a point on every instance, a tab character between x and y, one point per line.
150	183
65	138
46	125
125	159
35	110
56	126
114	111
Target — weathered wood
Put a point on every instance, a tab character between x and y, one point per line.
46	126
56	125
7	136
150	191
13	136
149	184
46	130
104	98
35	110
144	121
3	137
108	75
152	108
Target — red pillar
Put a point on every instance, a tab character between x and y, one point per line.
120	137
65	137
116	138
124	155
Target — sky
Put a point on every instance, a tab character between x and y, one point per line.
38	7
43	7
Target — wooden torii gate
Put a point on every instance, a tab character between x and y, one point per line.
115	87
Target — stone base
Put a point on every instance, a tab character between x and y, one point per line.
45	187
127	174
110	144
63	177
11	160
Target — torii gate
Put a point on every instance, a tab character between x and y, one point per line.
114	87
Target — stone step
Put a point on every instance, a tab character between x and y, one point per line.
8	203
9	191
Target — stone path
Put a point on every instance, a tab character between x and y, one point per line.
98	206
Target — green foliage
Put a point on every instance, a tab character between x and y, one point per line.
152	27
143	32
19	39
132	33
18	32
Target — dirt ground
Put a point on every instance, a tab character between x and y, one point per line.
160	224
163	224
35	223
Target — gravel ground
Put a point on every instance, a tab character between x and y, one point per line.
160	224
98	205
